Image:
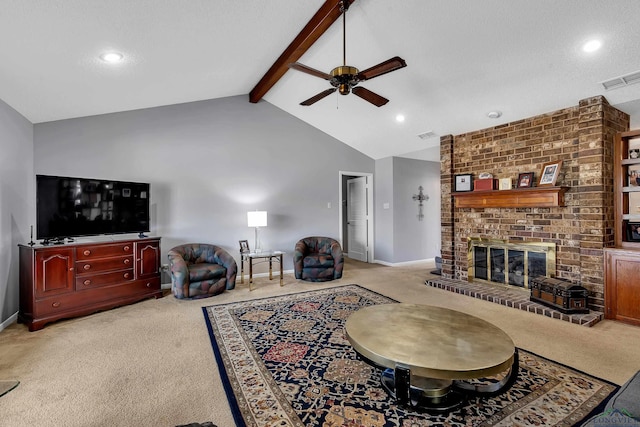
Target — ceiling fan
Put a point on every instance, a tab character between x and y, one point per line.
345	78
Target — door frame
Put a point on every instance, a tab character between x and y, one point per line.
342	211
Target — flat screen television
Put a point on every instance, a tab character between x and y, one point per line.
74	207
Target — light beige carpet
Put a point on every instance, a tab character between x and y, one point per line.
151	364
7	386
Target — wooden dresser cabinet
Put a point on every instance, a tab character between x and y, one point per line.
73	280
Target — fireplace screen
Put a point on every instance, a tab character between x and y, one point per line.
510	263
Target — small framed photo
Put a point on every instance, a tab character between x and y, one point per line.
633	231
244	246
505	184
525	180
126	192
549	173
634	177
634	148
463	182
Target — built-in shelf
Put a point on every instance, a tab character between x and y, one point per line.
535	197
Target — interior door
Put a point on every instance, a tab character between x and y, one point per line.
357	217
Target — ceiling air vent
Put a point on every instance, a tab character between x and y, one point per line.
622	81
427	135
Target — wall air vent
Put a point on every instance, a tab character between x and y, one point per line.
427	135
622	81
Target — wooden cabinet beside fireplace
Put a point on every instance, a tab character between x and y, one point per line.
73	280
622	263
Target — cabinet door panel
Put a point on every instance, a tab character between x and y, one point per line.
627	288
148	259
54	272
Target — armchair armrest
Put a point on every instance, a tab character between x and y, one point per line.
298	255
179	273
338	259
225	259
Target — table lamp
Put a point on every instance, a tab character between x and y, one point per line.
257	219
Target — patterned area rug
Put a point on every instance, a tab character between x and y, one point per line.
286	362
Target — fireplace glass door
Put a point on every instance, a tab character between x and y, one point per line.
516	268
497	265
510	263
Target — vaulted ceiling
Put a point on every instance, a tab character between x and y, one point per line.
464	58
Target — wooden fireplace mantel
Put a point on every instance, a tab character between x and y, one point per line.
534	197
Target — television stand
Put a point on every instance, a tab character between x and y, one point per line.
59	282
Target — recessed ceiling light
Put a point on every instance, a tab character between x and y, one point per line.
400	118
494	114
592	46
112	57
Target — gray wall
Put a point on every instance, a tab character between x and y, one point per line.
209	163
400	236
16	201
383	194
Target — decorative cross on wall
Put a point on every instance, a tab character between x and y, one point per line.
421	197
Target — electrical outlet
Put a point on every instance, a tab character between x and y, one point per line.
328	205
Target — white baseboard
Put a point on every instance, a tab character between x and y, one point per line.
13	318
404	263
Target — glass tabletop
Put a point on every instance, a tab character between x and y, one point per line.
264	254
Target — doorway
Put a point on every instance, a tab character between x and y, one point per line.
356	215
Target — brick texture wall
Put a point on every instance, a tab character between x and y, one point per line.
582	137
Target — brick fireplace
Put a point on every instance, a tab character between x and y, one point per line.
582	137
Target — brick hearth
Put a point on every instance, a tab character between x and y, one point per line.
511	297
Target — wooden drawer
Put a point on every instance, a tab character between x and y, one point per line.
102	251
103	265
54	305
96	280
92	300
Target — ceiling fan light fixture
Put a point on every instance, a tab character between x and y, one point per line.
344	89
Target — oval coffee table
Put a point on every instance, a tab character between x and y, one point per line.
432	353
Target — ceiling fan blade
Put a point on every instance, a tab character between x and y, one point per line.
367	95
318	97
301	67
385	67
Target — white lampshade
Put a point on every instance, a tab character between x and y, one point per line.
257	219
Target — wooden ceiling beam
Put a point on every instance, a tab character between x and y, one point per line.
328	13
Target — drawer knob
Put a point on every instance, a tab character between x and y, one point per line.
126	275
55	304
127	261
126	248
87	266
87	282
87	252
148	285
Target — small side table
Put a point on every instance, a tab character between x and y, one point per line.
265	256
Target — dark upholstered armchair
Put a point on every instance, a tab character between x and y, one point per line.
318	259
199	270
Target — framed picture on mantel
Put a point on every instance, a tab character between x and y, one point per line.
549	173
463	182
525	180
